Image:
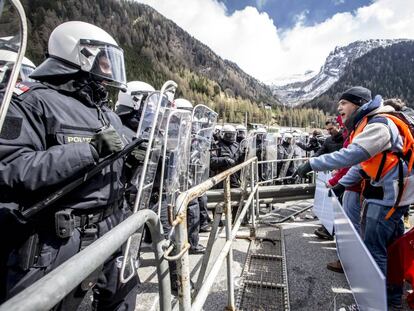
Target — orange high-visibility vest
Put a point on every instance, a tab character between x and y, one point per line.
372	167
380	164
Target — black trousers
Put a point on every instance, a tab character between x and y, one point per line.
204	217
193	223
108	292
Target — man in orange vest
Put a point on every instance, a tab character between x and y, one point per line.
372	154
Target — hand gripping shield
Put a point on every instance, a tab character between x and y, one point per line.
151	127
203	122
13	37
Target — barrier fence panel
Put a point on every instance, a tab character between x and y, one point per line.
182	246
322	204
364	277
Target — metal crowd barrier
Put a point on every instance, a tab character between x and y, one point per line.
274	178
52	288
204	285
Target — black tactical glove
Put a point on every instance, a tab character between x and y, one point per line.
106	142
303	170
139	152
338	189
230	162
134	159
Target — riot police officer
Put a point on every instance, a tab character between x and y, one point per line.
194	213
261	134
7	59
227	153
288	153
130	103
54	131
241	132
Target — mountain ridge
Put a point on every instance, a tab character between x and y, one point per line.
385	70
153	40
297	93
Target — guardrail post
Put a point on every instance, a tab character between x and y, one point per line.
183	264
257	192
252	206
230	284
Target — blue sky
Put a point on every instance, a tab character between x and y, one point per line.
278	40
285	12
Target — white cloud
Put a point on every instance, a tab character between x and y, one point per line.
338	2
300	19
251	39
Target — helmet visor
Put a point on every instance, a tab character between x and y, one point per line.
25	72
104	61
5	71
229	137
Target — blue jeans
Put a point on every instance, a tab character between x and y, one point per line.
378	234
352	207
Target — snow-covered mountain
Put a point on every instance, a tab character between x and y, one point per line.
303	91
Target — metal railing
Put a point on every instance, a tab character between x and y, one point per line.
203	286
274	163
52	288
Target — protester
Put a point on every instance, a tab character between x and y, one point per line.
334	142
377	138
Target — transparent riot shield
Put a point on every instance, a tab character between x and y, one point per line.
288	155
13	37
270	167
176	155
151	127
299	152
203	122
261	154
248	149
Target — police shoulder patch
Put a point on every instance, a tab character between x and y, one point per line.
21	88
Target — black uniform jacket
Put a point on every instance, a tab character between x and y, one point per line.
45	144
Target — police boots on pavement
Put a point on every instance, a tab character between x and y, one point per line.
54	131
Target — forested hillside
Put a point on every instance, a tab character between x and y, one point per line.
156	50
386	71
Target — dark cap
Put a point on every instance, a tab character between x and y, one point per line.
357	95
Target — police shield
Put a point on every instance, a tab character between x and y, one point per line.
288	153
248	149
13	39
270	167
176	155
203	122
151	127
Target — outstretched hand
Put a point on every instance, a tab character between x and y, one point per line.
303	170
